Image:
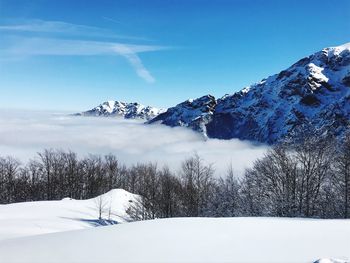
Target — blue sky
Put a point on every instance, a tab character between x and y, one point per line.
72	55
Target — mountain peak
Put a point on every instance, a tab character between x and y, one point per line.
126	110
339	49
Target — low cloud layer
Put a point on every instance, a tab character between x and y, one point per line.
23	134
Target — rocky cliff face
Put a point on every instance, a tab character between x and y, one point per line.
195	114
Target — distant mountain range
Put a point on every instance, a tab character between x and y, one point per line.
315	91
123	109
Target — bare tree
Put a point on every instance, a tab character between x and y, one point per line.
225	200
308	178
137	210
197	180
271	183
101	205
9	168
314	157
46	158
169	194
341	179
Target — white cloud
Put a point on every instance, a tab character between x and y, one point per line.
25	46
49	26
112	20
135	61
60	27
64	47
23	134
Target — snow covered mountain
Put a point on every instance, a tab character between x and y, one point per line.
195	114
123	109
315	91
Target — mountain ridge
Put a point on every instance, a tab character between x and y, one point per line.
314	91
126	110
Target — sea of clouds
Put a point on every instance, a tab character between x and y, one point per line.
24	133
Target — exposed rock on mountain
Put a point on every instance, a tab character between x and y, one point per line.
195	114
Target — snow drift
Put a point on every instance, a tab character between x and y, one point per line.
189	240
42	217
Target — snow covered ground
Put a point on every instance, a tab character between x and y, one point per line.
189	240
65	231
34	218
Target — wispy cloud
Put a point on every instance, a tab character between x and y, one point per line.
128	53
49	26
34	45
112	20
37	46
64	28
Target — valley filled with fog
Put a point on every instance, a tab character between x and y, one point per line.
24	133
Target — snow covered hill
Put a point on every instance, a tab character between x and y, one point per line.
190	240
42	217
315	92
123	109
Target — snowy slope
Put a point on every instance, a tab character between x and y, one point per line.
194	114
123	109
190	240
314	92
42	217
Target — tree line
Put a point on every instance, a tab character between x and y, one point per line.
307	179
